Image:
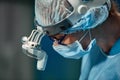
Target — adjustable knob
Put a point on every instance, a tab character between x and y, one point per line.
82	9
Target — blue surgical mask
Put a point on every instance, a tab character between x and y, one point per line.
94	17
74	50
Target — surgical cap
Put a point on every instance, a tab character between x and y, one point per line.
56	16
50	12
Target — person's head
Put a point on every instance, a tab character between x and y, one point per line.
60	17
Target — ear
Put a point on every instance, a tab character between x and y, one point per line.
114	8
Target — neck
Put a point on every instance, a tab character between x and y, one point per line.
107	33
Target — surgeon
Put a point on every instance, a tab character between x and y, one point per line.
87	29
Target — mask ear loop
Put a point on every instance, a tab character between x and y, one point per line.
89	31
90	34
83	36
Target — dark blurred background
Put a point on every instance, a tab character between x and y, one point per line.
16	21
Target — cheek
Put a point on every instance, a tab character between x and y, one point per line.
69	39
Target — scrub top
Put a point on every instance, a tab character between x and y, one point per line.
98	66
